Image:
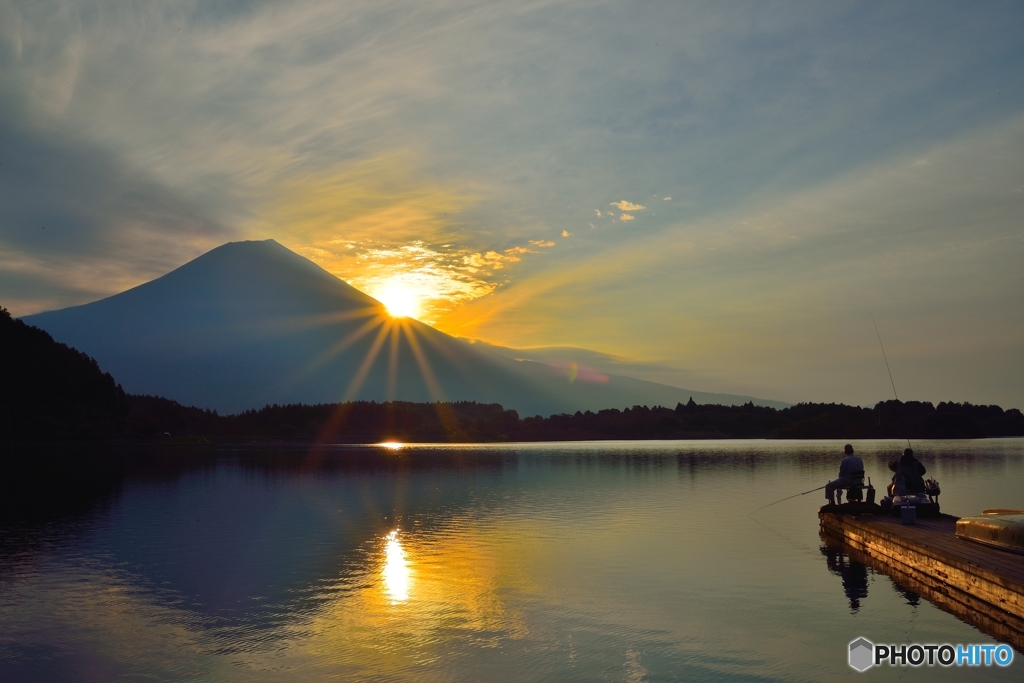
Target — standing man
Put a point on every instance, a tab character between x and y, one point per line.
851	473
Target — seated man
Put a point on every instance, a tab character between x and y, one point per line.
913	472
851	473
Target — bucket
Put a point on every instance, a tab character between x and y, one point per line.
908	514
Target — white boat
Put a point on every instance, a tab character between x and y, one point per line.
998	528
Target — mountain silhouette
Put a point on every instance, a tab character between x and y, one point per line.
253	323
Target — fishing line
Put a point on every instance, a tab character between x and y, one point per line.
893	383
886	359
794	542
787	498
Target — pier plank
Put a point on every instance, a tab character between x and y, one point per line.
999	624
983	580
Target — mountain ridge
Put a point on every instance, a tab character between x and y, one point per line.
252	323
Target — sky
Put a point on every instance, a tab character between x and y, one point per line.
721	196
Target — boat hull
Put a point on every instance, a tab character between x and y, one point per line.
1003	531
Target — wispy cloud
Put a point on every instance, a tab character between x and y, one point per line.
76	222
795	279
376	222
628	206
441	139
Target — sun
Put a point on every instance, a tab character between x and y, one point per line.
401	300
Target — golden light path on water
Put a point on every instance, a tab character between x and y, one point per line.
395	574
614	571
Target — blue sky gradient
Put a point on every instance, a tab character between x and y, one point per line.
825	162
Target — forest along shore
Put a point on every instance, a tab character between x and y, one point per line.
53	392
151	417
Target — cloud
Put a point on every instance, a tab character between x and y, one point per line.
351	131
667	199
542	243
77	222
566	233
377	221
759	292
596	212
443	277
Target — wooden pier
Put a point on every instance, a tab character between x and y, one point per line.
982	586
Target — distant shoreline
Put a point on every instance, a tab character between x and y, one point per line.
153	421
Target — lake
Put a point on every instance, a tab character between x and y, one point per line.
612	561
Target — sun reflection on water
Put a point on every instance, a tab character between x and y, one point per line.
396	570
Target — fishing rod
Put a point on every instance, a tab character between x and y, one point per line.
787	498
886	359
893	383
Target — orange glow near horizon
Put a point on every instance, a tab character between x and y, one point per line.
390	231
392	445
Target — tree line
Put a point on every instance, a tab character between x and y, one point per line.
466	421
53	392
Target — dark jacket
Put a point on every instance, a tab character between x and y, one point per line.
913	473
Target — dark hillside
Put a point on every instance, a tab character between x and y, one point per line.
51	391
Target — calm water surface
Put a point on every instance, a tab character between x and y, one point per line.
619	561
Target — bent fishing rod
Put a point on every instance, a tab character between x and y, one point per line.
886	359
